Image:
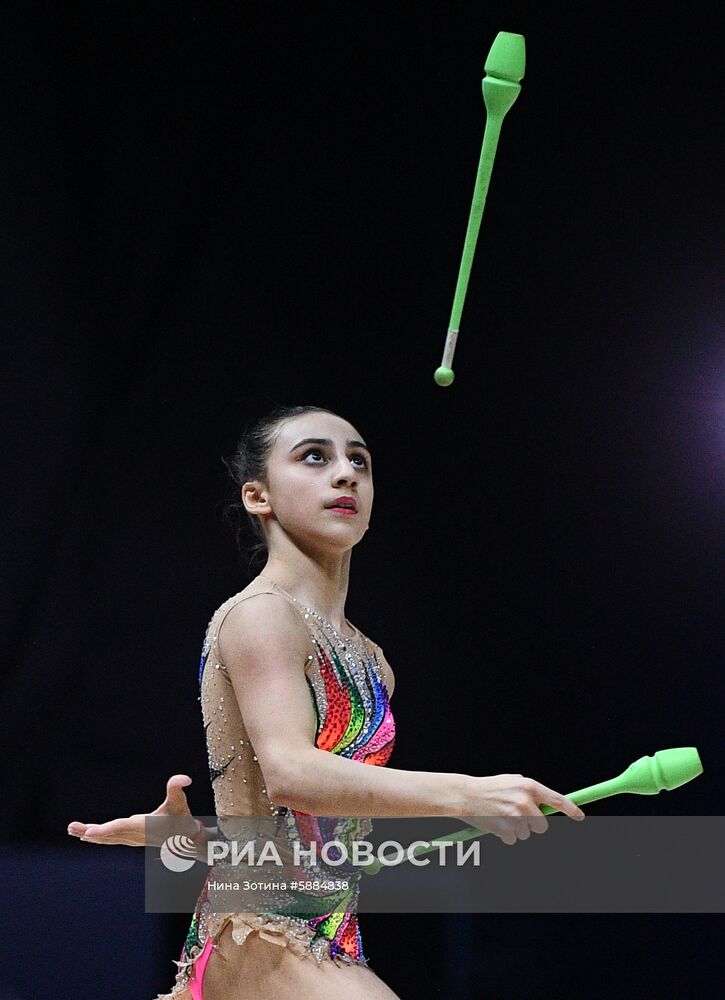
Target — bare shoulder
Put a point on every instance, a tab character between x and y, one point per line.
261	621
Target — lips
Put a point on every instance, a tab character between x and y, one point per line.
348	504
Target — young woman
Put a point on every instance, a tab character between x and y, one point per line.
296	706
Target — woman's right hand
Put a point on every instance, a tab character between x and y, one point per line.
130	830
510	806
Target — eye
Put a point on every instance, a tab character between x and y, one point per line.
362	459
313	451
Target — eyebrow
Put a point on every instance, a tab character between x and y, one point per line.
328	443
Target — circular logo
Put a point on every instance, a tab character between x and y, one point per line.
177	854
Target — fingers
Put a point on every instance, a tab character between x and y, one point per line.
504	828
112	832
538	824
175	787
116	831
86	831
547	796
94	832
521	824
177	781
510	829
175	803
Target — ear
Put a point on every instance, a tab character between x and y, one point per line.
255	499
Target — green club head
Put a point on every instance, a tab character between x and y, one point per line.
507	57
666	769
504	68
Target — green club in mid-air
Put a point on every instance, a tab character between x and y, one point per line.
504	69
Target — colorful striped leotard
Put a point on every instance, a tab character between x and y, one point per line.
345	679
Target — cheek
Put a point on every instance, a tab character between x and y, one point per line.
288	483
299	495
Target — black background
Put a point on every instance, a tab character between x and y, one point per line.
210	209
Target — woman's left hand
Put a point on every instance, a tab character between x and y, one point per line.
131	830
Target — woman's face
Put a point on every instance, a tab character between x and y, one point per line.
319	484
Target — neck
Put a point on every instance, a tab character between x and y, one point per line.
320	583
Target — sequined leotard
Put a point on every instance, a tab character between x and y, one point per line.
351	702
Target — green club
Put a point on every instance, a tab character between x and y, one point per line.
504	69
666	769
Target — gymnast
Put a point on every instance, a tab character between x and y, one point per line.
296	706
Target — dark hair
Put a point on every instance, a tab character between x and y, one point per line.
249	462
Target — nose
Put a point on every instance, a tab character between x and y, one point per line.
344	472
